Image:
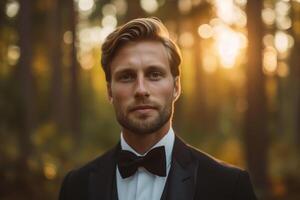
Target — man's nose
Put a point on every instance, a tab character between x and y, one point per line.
141	89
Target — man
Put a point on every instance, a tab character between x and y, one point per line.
141	65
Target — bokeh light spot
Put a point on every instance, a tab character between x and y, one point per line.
228	44
109	9
281	41
12	8
85	5
268	16
270	61
268	40
50	170
109	21
205	31
121	6
68	37
283	22
184	6
13	54
149	6
282	8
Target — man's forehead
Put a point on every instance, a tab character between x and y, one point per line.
143	53
142	45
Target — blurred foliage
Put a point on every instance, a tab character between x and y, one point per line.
36	152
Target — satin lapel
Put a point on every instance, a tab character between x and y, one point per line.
103	178
182	176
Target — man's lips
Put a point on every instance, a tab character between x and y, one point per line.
142	107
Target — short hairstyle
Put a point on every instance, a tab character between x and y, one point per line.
137	30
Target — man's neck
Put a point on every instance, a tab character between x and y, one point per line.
141	143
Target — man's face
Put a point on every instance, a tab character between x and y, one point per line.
142	88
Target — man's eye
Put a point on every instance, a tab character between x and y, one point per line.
155	75
126	77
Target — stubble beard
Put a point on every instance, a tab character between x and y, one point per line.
145	126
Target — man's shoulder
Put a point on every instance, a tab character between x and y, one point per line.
216	175
82	172
212	162
76	183
214	168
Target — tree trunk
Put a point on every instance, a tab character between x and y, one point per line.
134	10
57	97
295	73
27	95
74	85
256	137
296	68
200	111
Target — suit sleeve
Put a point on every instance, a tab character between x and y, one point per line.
244	188
64	186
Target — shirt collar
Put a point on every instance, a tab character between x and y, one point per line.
167	141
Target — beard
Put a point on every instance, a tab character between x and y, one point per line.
145	126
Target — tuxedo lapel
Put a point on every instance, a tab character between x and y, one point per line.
180	184
103	178
182	176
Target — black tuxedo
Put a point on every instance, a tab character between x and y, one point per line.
193	175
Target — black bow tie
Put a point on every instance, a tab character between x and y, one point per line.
154	161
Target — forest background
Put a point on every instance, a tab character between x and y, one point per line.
240	80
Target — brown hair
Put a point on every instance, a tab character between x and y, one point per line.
135	30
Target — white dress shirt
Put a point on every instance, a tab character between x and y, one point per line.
143	185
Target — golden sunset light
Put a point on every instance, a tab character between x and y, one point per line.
78	77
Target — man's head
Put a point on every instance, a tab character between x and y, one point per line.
137	30
142	72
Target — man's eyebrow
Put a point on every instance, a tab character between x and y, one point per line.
155	67
125	70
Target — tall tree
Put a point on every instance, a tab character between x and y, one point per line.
256	136
57	98
295	68
199	15
27	94
74	85
2	15
134	10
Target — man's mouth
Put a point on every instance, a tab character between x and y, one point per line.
142	108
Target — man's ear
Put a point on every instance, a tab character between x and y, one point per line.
109	92
177	88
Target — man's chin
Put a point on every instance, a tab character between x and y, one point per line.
143	115
143	126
